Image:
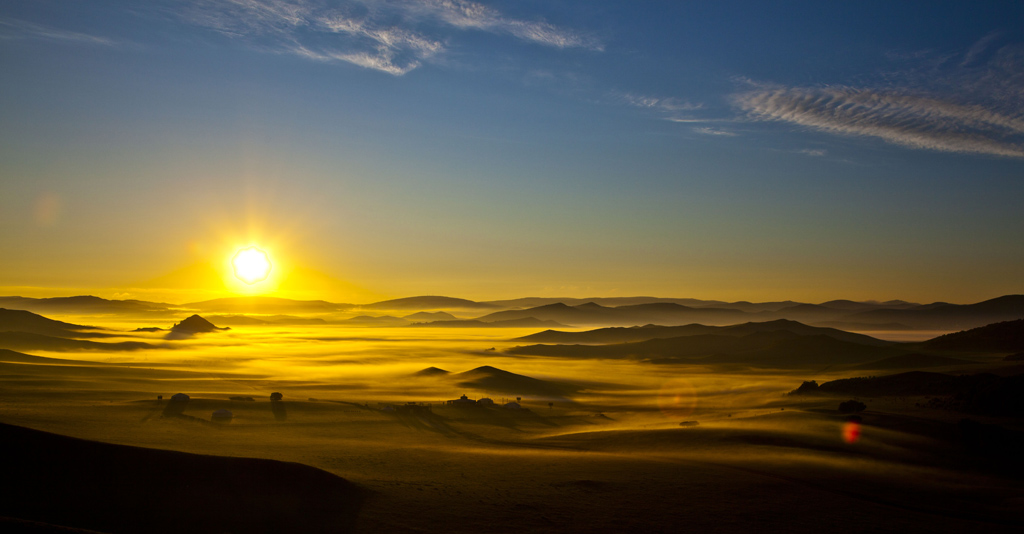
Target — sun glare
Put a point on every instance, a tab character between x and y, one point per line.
251	265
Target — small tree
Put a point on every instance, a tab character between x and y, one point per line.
275	396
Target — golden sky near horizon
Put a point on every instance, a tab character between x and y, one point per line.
591	155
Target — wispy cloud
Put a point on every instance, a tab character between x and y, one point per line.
667	108
665	104
393	36
816	152
978	48
19	29
714	131
471	15
900	117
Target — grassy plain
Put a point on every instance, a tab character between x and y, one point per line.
607	454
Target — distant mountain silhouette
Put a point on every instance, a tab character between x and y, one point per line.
643	333
864	327
195	324
492	379
1006	336
30	341
942	316
860	306
617	334
430	316
778	348
427	303
265	305
264	320
525	322
238	320
810	313
26	321
83	304
532	302
369	320
591	313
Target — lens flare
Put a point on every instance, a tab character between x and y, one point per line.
677	398
851	432
251	265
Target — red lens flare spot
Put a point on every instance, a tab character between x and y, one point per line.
677	398
851	432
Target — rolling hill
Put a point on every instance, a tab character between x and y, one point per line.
492	379
84	304
429	302
30	341
1007	336
26	321
265	305
942	316
644	333
59	480
778	348
525	322
591	313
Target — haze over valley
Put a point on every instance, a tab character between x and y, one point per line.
495	266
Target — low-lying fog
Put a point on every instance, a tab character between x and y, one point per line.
584	425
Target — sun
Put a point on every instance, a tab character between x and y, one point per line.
251	265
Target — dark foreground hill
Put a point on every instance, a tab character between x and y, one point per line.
1006	336
83	484
776	349
982	393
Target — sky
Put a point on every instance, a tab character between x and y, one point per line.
378	149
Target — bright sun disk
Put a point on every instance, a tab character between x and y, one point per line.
251	265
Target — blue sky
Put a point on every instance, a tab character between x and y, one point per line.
736	150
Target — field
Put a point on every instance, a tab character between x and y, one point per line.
595	446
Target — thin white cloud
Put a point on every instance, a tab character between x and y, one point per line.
816	152
902	118
19	29
665	104
471	15
714	131
393	36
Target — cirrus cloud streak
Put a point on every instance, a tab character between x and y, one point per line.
902	118
392	36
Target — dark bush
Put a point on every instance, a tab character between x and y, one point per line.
852	406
